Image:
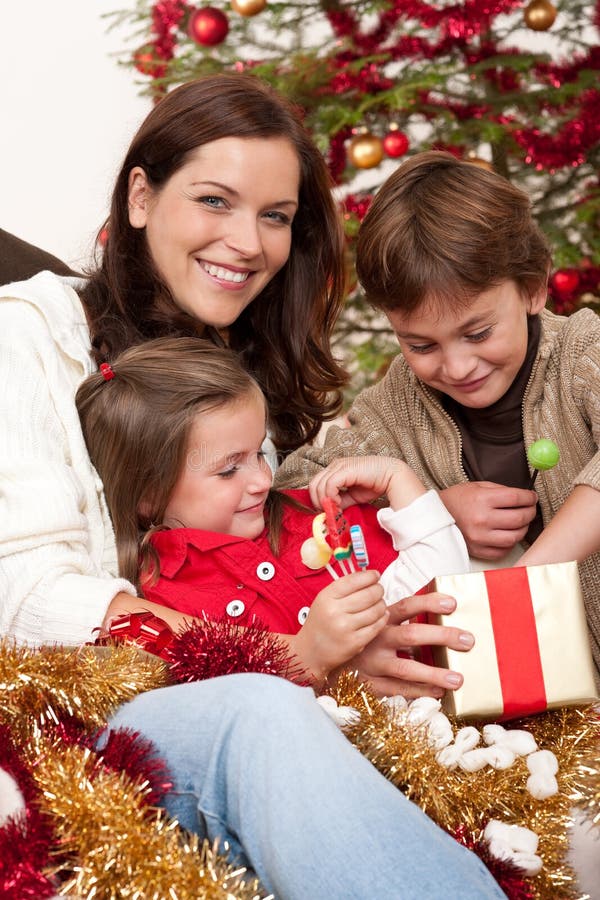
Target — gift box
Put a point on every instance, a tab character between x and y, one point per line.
531	648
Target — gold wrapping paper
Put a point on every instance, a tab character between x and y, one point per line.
562	636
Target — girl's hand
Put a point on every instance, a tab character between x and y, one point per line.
345	616
492	517
390	674
358	479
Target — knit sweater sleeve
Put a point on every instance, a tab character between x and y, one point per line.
586	390
54	583
371	418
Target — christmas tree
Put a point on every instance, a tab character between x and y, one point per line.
509	84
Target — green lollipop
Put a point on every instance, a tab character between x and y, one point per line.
542	455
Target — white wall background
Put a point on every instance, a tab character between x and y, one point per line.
68	112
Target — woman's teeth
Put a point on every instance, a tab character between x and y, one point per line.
225	274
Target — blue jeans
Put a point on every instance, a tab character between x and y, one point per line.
257	763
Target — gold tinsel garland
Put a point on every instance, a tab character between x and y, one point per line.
110	845
454	798
114	848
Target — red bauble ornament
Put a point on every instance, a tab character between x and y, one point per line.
148	62
248	7
208	26
539	15
566	281
395	143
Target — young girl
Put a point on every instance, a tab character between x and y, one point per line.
450	252
175	429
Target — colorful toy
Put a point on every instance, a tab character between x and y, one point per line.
542	455
338	535
331	536
359	546
316	555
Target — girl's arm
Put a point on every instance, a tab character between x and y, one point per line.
423	531
428	544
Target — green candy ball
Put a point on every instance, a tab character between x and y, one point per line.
543	454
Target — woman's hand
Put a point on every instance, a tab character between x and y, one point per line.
345	616
358	479
492	517
390	674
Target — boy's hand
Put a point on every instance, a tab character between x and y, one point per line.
358	479
345	616
492	517
390	674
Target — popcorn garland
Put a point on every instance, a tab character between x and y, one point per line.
396	737
53	696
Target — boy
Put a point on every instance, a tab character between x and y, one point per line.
450	252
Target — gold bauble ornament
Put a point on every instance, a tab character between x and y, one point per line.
248	7
479	161
539	15
365	151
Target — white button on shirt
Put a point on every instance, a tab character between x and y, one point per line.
235	608
303	614
265	571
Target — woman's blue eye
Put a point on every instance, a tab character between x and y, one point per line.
213	202
278	217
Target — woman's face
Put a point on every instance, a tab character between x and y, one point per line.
221	227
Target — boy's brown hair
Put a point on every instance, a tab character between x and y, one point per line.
443	230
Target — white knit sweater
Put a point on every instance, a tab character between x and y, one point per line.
58	557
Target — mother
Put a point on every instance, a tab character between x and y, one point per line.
221	224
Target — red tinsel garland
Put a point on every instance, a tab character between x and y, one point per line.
208	649
511	879
26	838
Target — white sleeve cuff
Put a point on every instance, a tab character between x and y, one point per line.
415	522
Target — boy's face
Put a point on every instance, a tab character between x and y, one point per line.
471	353
225	479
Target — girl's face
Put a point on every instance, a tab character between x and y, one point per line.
474	353
221	227
225	479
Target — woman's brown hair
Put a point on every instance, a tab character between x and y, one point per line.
284	335
444	230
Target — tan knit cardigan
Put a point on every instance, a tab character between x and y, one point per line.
400	417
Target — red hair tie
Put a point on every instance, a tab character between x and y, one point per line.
107	372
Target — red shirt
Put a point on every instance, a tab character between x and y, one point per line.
221	575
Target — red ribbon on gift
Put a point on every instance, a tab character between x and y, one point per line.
142	628
517	647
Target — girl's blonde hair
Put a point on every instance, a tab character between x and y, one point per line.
137	426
